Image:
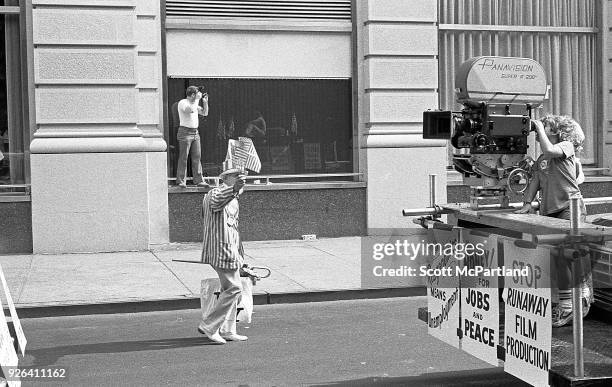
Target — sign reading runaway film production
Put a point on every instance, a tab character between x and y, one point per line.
479	299
528	327
443	291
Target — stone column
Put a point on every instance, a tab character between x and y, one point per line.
98	162
397	51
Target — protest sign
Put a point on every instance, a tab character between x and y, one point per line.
480	297
443	290
528	324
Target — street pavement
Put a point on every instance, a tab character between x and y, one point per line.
105	335
163	278
351	342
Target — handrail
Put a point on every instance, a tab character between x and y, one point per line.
600	200
267	178
304	176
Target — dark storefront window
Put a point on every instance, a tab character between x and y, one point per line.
13	110
308	123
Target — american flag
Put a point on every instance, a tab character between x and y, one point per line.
243	153
294	125
230	129
221	129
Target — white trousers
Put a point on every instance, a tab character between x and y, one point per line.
223	317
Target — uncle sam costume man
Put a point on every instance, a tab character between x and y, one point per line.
222	249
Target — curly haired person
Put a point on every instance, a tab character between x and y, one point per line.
557	174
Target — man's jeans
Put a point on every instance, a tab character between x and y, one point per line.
189	145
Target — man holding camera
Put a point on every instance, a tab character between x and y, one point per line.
188	136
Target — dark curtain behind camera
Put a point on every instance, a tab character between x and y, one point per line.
13	112
322	110
569	59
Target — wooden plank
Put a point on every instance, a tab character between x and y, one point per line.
524	223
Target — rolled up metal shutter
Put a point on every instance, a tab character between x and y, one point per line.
267	9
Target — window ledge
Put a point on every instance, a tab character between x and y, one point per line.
278	186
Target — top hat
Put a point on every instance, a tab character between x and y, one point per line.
229	167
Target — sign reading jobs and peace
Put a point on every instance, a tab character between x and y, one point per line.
479	299
528	324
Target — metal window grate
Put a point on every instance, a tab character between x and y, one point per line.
267	9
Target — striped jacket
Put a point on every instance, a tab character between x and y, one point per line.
221	246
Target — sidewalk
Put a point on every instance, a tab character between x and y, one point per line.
73	284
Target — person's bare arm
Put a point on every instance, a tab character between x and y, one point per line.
530	194
548	148
203	110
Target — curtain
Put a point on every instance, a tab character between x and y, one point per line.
12	104
308	122
569	58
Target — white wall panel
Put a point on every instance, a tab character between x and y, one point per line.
148	71
94	204
203	53
400	106
396	39
147	7
148	111
84	65
148	35
80	105
401	73
405	10
83	26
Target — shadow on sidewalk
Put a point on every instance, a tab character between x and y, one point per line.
50	356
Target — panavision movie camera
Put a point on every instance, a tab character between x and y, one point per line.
498	95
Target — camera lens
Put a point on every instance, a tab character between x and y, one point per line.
481	141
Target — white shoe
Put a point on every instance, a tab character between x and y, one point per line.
587	288
234	337
561	315
214	337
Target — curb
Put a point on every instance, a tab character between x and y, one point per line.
194	302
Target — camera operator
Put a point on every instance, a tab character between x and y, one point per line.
556	174
188	136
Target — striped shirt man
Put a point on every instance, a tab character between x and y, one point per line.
222	246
